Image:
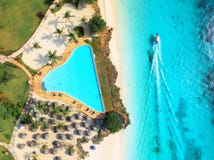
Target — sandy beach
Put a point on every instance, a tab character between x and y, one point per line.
112	146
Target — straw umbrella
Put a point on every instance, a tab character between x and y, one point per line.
57	144
22	135
45	135
36	136
68	136
57	158
53	151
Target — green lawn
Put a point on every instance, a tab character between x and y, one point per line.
5	154
18	21
103	75
16	92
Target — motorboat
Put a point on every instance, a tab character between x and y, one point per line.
157	39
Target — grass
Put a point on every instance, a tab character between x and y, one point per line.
16	90
5	154
18	21
13	96
19	59
103	75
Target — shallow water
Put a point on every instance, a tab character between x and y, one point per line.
171	87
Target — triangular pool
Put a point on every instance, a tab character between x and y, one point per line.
77	78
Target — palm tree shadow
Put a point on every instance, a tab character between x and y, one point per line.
47	37
27	49
59	41
54	22
41	60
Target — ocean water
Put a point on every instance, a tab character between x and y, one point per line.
169	87
77	78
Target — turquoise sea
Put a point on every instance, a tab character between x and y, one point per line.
170	87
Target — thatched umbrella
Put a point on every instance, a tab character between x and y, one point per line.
36	136
57	144
52	121
73	125
60	136
82	124
55	129
86	125
43	119
68	136
20	146
45	135
68	127
22	135
76	116
93	128
86	133
57	158
36	114
70	118
69	108
78	132
53	150
60	117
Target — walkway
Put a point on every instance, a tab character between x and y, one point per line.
37	84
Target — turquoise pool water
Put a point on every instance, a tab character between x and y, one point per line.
77	78
169	90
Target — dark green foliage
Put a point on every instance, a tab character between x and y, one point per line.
5	76
40	15
89	1
112	122
79	31
96	24
75	3
26	119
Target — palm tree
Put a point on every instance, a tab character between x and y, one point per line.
36	45
70	150
83	20
40	106
34	125
5	77
44	148
65	113
60	126
35	157
44	126
56	110
53	57
71	36
59	31
67	15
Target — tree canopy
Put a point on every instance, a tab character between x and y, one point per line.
96	24
89	1
112	122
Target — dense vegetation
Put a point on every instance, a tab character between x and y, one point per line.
79	31
13	94
96	24
18	21
112	122
5	154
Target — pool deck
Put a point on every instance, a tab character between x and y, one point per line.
36	83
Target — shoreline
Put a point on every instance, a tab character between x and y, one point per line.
114	143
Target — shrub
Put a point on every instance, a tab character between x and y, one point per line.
96	24
26	119
40	14
112	122
89	1
79	31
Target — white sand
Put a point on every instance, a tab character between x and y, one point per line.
109	13
112	147
44	35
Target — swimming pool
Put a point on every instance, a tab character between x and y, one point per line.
77	78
